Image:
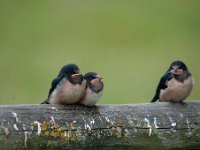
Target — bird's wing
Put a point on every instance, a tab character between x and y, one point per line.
54	83
162	85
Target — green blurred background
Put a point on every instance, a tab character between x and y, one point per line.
129	43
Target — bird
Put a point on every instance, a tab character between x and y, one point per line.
94	89
175	85
68	87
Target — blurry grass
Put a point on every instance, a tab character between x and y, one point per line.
131	44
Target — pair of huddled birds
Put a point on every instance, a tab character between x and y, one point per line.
71	87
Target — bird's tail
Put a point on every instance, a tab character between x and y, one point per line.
155	98
45	102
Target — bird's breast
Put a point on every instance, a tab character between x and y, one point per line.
67	93
91	97
177	91
96	85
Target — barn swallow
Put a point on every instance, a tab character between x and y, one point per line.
68	87
94	89
175	85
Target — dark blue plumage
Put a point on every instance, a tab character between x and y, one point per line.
162	85
54	83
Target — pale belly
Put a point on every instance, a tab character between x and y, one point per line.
67	93
177	91
91	98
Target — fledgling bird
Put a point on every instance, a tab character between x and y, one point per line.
94	89
68	87
176	84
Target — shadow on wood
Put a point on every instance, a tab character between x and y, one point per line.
138	126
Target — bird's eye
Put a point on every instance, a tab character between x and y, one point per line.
92	77
71	72
182	67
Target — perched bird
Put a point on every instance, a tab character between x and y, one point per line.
94	89
175	85
68	87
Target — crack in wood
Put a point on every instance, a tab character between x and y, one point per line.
167	126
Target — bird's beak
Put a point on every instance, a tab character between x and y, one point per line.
99	77
76	76
178	72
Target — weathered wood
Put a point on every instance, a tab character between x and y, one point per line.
139	126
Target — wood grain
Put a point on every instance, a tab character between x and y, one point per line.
133	126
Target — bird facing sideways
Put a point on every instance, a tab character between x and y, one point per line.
68	87
94	89
175	85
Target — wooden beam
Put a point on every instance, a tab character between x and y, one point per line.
138	126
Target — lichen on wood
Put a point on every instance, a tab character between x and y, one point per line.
147	126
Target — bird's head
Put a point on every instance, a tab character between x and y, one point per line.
72	72
94	80
178	68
